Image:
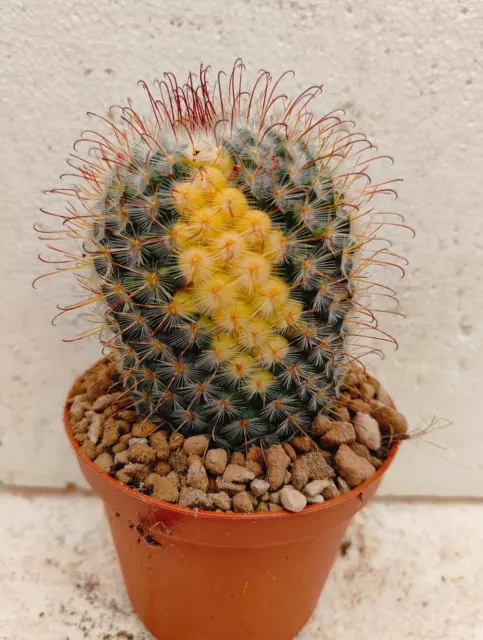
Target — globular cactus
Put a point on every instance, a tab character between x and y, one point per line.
226	233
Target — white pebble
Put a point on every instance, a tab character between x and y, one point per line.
316	500
95	428
315	487
367	431
259	487
292	500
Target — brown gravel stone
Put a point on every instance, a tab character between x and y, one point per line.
142	453
287	477
341	413
351	380
330	491
176	441
367	391
117	448
375	404
321	425
162	468
196	445
165	490
133	471
312	466
275	497
262	507
89	449
212	487
359	405
255	467
375	462
303	444
216	461
121	458
80	427
338	433
238	458
351	467
230	487
236	473
98	382
361	451
277	462
174	478
242	502
110	436
78	410
124	477
256	453
290	451
197	477
123	426
127	415
179	461
124	439
390	420
265	497
221	500
274	508
104	462
195	499
375	384
111	411
150	480
143	428
78	388
160	445
80	437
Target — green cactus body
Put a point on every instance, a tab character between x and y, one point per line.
221	230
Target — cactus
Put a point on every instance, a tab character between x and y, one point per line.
226	236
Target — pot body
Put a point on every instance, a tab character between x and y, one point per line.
215	576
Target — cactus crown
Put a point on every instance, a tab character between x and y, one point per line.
226	236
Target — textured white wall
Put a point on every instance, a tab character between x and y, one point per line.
410	73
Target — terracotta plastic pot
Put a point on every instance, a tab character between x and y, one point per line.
215	576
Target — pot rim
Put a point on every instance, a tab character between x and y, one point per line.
174	508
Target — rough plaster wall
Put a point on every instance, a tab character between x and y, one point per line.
410	74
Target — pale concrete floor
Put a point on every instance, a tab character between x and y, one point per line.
413	571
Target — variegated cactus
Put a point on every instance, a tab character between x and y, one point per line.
226	236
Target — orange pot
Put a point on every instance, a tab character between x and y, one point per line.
215	576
